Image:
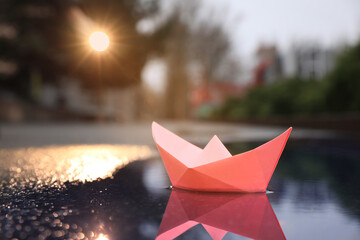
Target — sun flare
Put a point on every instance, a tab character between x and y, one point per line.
99	41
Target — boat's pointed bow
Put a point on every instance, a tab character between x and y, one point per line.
155	129
289	130
269	154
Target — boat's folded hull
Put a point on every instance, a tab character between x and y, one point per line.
247	172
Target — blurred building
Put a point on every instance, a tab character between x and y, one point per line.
306	61
309	60
268	66
28	55
313	61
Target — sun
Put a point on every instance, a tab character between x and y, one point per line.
99	41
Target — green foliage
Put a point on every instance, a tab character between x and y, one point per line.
339	91
343	83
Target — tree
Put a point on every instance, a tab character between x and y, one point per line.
343	83
189	40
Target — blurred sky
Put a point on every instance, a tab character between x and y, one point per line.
329	23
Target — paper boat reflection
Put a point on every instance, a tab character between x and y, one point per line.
248	215
214	168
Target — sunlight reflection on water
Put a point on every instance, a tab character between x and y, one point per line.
55	165
36	186
102	237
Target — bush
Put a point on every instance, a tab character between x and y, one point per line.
343	83
339	91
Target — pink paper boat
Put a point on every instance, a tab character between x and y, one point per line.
248	215
213	168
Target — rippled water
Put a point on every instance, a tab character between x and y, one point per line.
101	192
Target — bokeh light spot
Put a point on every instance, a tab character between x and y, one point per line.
99	41
102	237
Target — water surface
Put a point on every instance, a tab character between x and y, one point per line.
104	192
